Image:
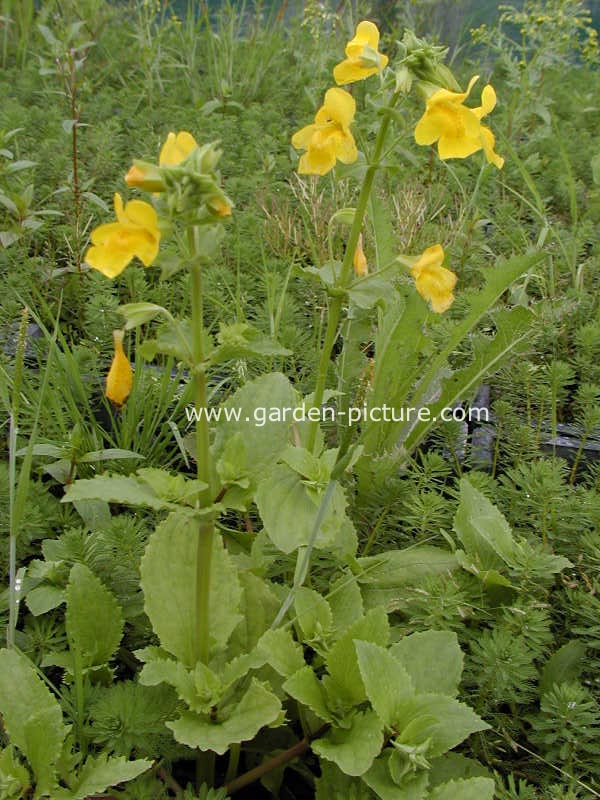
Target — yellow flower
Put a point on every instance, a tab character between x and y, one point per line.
220	207
176	148
456	128
120	376
362	57
359	260
134	234
434	283
329	137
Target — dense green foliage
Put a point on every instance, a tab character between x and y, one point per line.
504	517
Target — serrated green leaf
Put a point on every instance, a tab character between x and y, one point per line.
14	777
386	681
413	787
469	789
352	748
449	722
345	602
289	509
483	530
281	651
124	489
100	773
44	598
433	659
257	708
94	620
313	614
170	594
240	340
32	717
306	688
454	766
342	661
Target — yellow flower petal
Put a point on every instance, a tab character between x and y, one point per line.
363	58
350	71
488	101
120	376
339	106
135	234
329	138
434	282
488	142
176	148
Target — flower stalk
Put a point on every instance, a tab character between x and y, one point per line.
336	302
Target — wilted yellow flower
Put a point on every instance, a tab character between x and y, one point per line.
362	57
134	234
220	207
433	281
120	376
176	148
145	176
456	128
359	261
329	137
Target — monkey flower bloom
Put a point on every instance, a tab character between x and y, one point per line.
176	148
362	57
433	281
120	376
456	128
134	234
329	137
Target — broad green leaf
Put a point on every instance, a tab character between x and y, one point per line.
454	766
448	720
32	717
313	614
281	651
173	338
167	670
150	487
259	607
386	681
306	688
469	789
248	409
382	577
94	620
345	601
379	779
100	773
563	666
335	785
289	508
108	454
137	314
482	529
433	659
127	490
240	340
168	580
342	661
370	290
44	598
257	708
354	747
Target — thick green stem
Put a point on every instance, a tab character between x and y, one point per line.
336	302
206	528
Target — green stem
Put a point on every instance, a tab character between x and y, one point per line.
234	760
335	303
205	763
